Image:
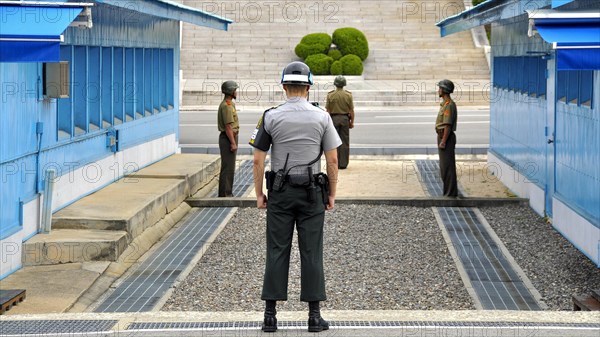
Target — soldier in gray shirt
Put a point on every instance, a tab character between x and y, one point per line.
297	133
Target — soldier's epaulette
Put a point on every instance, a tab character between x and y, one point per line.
348	92
274	107
331	91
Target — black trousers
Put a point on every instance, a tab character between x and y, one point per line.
287	209
227	165
342	126
448	165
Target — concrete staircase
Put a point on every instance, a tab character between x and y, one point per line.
407	55
123	220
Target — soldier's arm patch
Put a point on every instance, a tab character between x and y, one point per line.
260	138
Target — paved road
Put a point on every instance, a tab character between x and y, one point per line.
404	127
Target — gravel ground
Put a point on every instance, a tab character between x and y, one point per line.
554	266
376	258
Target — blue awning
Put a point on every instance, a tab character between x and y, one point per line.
32	33
578	59
574	35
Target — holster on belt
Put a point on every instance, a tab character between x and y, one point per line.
307	181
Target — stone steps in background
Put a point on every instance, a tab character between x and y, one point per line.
405	45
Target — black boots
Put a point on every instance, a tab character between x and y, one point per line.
270	322
316	323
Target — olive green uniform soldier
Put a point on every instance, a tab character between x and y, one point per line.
297	133
229	126
340	106
445	126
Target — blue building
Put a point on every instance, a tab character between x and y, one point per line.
88	90
545	107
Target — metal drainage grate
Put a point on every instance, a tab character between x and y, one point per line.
242	181
495	281
39	327
351	324
143	289
430	177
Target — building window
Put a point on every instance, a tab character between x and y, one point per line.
106	92
522	74
586	88
575	87
113	85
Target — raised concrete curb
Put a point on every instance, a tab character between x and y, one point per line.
415	202
72	246
196	171
130	204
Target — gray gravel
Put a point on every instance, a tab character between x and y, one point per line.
376	258
554	266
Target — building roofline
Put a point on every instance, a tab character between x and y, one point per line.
488	12
174	11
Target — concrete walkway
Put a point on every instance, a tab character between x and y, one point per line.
55	289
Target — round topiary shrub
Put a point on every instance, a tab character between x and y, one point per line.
311	44
351	65
351	41
335	54
336	68
319	64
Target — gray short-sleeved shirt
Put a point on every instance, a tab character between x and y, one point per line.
298	128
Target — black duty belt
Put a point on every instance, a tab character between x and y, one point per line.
303	180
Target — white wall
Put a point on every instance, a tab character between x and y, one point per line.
518	183
582	233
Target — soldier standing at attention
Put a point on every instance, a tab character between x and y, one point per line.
297	133
341	108
229	127
445	126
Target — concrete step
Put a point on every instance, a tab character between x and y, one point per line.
74	246
101	226
137	202
130	204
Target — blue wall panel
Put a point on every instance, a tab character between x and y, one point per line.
517	125
18	184
19	108
517	117
147	129
578	158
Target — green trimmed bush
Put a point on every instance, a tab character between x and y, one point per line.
311	44
335	54
351	41
336	68
351	65
319	64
